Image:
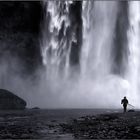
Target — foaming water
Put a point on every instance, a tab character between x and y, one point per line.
93	84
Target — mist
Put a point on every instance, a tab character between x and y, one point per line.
79	58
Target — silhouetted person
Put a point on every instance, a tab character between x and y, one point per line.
124	101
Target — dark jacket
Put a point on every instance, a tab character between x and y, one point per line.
124	102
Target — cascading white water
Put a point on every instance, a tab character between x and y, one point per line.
56	51
98	29
96	84
97	79
132	74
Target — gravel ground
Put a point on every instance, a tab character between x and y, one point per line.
69	125
28	124
105	126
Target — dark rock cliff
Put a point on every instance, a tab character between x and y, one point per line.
19	33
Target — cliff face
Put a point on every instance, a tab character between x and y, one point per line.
19	33
9	100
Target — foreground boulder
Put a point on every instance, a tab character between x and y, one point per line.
9	100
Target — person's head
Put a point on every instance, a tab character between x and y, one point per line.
124	97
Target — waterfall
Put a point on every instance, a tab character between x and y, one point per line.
132	74
98	30
67	42
56	46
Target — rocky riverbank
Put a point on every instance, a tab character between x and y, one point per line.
31	124
68	125
106	126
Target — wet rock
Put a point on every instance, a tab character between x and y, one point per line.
131	110
8	100
137	128
35	108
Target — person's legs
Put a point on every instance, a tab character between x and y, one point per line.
124	108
